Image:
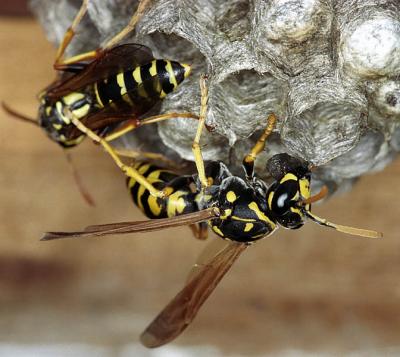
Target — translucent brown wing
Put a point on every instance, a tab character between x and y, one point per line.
109	62
212	249
183	308
136	226
116	112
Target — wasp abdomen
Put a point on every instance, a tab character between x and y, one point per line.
180	199
150	81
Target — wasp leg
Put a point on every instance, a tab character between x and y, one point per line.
73	62
198	157
143	155
248	161
143	4
129	171
132	124
199	230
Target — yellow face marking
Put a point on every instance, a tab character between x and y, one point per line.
153	68
288	177
48	110
121	83
171	73
231	196
73	98
254	207
137	76
305	188
162	94
82	111
270	197
248	227
98	99
217	231
59	107
57	126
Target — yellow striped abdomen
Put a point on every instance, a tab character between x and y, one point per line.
180	199
143	86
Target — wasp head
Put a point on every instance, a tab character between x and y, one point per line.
291	187
55	123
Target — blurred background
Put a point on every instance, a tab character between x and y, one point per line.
306	292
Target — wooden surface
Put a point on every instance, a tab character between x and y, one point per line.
307	290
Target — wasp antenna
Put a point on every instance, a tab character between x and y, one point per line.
81	187
345	229
319	196
17	115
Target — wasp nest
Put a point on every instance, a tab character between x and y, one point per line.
329	69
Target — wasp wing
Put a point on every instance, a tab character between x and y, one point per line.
136	226
108	62
212	249
116	112
183	308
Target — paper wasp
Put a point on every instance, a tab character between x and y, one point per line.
103	88
239	210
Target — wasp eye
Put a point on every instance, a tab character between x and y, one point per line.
284	195
281	202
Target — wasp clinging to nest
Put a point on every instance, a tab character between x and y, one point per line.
239	210
107	87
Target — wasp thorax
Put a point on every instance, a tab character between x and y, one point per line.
243	207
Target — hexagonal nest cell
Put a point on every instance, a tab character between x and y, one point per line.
329	69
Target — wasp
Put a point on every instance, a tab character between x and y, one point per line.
240	210
106	87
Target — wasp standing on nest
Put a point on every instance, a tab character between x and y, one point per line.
106	87
239	210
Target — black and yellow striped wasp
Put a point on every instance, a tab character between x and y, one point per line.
240	210
106	87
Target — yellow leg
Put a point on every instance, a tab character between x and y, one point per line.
248	161
199	230
143	4
198	157
129	171
62	64
140	155
59	63
133	124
